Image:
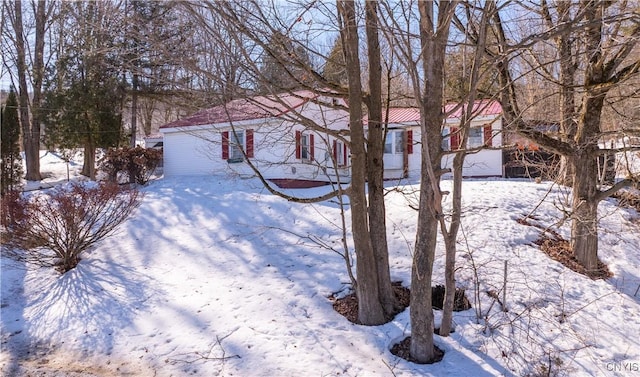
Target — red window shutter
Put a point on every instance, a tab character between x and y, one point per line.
488	137
409	141
249	140
454	138
298	145
225	145
311	147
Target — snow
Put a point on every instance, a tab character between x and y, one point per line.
211	277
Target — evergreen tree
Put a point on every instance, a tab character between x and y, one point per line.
335	69
83	96
284	65
156	46
11	164
458	67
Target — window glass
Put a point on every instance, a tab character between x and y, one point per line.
236	145
304	147
476	136
399	142
394	143
445	139
340	153
388	143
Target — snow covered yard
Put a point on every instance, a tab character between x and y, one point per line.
208	278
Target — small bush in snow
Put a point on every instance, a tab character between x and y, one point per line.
137	164
55	228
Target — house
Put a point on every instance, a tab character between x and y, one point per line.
402	149
484	140
300	140
294	140
402	154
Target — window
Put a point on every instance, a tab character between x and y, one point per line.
237	145
396	141
304	146
388	143
480	136
339	153
235	142
304	141
476	137
340	156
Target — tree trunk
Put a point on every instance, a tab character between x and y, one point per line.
134	110
89	166
450	235
434	39
30	130
565	172
450	238
370	310
584	227
375	167
568	124
422	346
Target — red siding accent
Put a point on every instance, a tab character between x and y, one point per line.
454	138
297	183
409	141
312	155
298	145
225	145
488	140
249	143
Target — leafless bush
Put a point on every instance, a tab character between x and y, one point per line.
53	229
136	164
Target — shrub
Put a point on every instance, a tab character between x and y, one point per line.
55	228
135	164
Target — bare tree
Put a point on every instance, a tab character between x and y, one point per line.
375	142
423	55
370	309
27	58
469	110
607	63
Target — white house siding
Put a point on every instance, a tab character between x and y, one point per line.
391	168
486	162
190	153
197	150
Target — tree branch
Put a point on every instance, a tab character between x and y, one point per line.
628	182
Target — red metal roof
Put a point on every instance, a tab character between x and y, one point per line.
403	115
482	107
412	114
258	107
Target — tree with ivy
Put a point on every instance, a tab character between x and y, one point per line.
11	164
